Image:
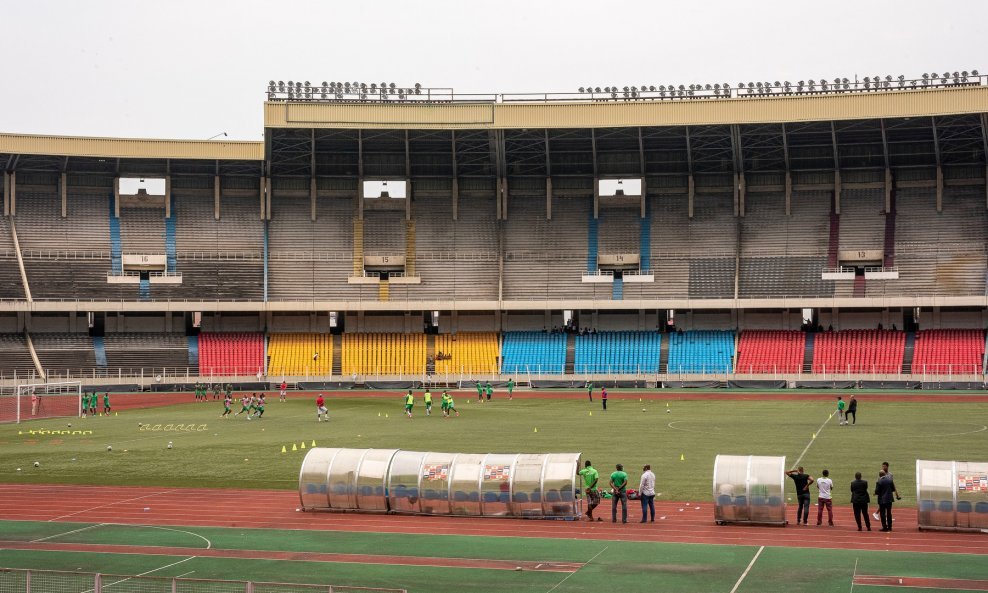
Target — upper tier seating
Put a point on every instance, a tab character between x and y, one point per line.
949	351
15	359
859	351
64	355
624	352
771	351
468	352
701	351
533	352
300	354
231	353
383	354
166	354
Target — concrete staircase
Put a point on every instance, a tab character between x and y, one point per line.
570	354
808	353
410	248
337	355
358	247
908	353
430	354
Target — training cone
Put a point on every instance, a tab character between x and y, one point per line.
682	457
302	446
284	449
814	435
378	414
386	416
116	413
294	447
667	404
313	444
536	429
591	413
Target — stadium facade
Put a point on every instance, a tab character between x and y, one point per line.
362	237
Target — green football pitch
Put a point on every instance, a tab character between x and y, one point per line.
680	444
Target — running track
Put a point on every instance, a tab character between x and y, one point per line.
219	508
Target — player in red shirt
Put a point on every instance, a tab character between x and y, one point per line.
321	409
284	389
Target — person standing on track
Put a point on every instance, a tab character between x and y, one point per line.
860	500
885	468
802	481
409	403
885	490
841	404
321	409
590	478
283	391
646	493
619	492
825	499
852	411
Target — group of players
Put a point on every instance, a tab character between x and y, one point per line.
252	405
90	404
203	389
446	403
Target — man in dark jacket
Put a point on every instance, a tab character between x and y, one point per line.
860	500
885	490
852	410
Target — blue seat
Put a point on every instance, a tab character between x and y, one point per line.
567	496
460	496
490	496
521	497
964	506
774	501
723	500
946	506
759	501
981	507
741	501
926	506
340	488
552	496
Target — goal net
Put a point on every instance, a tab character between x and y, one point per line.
36	401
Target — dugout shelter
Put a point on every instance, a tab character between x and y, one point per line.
749	489
952	495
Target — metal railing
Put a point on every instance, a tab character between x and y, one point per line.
17	580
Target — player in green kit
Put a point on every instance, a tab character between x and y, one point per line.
227	402
85	404
409	402
106	403
244	405
511	387
480	392
444	403
216	391
451	406
229	390
489	390
427	398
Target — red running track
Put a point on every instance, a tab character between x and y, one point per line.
276	509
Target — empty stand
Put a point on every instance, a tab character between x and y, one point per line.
231	353
770	351
148	353
466	353
859	351
15	359
949	351
11	286
300	354
383	354
530	352
701	351
621	352
65	355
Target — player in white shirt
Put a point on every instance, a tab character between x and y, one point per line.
646	493
826	486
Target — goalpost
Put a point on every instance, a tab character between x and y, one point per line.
34	401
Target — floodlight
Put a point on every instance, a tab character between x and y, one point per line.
582	90
682	88
913	83
291	84
740	85
964	73
974	73
633	89
298	85
596	89
651	88
934	75
725	85
418	86
392	85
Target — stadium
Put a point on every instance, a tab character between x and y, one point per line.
737	255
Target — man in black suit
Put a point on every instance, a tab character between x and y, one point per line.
860	500
885	490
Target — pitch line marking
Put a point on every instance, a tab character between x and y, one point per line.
554	587
810	444
144	573
42	539
745	573
854	575
110	504
209	544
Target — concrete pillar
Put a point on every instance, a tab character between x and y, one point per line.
168	196
788	194
360	203
888	190
837	190
690	194
116	197
736	194
641	204
742	189
548	198
6	193
267	200
455	197
216	197
262	184
596	198
505	199
312	199
939	189
63	191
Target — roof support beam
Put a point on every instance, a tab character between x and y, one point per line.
63	191
936	148
216	197
596	179
6	193
984	144
360	175
837	181
690	185
888	169
548	178
313	186
408	180
641	169
785	156
455	183
737	154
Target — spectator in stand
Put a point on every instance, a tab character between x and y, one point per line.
824	499
860	500
852	411
646	493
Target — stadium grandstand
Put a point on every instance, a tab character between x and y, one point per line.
769	234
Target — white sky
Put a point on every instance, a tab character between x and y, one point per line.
192	69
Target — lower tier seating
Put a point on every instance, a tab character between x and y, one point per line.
623	352
383	354
533	352
859	351
300	354
949	351
231	353
15	359
466	352
772	351
701	351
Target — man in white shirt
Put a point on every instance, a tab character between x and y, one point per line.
646	492
826	486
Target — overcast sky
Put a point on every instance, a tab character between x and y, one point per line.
192	69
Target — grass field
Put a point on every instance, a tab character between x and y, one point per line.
608	566
247	454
